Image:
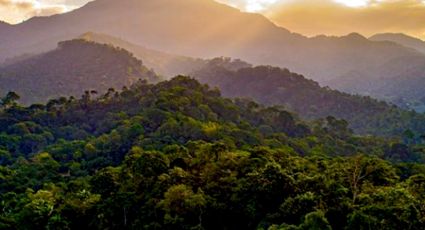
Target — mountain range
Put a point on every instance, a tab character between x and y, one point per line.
160	36
80	65
207	29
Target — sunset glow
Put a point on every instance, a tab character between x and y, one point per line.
308	17
354	3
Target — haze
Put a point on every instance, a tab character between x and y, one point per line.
308	17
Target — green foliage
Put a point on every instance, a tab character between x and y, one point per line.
275	86
176	155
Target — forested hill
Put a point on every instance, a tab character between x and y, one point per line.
73	67
276	86
176	155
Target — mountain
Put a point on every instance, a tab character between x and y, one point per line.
402	39
403	90
159	24
205	29
81	65
275	86
165	64
73	67
177	155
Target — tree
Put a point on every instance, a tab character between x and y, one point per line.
183	207
9	100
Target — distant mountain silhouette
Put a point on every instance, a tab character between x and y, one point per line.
402	39
70	69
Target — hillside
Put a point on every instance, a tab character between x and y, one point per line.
73	67
176	155
276	86
81	65
165	64
205	29
402	39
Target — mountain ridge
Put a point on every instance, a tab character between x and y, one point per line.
402	39
203	29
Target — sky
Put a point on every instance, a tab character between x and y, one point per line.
307	17
16	11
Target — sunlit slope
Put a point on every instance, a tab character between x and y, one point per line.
165	64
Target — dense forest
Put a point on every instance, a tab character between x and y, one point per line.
276	86
73	67
92	137
177	155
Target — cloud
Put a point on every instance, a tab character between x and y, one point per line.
15	11
309	17
339	17
335	17
250	5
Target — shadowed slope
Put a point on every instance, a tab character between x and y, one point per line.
70	69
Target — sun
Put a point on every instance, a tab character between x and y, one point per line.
264	5
258	5
354	3
251	5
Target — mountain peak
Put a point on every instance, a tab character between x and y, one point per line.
355	36
174	26
402	39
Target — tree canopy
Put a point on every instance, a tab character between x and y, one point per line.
177	155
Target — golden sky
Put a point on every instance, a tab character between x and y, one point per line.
308	17
16	11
